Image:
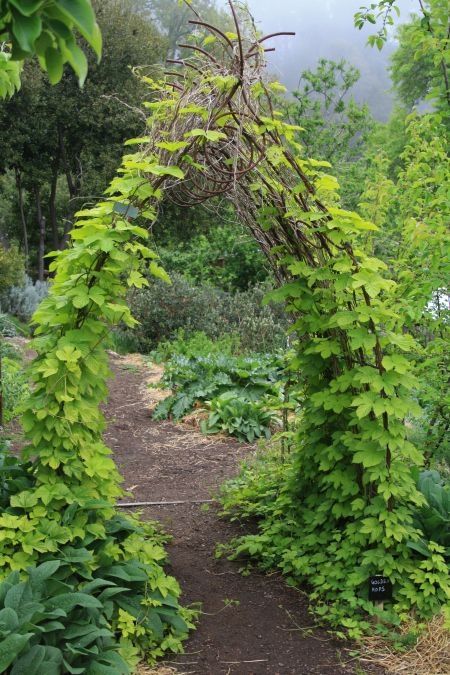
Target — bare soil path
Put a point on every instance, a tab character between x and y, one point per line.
251	625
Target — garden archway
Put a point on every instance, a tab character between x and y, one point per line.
214	130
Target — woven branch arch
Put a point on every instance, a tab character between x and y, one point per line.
216	120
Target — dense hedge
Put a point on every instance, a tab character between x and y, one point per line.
163	309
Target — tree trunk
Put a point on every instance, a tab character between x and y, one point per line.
67	171
74	187
41	224
22	216
52	204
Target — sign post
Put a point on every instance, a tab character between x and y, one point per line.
380	589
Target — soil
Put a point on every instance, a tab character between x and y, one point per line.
250	625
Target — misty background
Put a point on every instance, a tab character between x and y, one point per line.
324	28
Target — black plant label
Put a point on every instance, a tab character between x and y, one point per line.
380	588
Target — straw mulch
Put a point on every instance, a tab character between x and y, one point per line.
429	656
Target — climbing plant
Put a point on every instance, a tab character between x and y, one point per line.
83	588
343	509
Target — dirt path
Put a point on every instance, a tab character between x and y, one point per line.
251	625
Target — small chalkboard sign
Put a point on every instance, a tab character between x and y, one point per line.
126	210
380	589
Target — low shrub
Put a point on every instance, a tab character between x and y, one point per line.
227	257
195	345
12	269
162	310
7	327
23	300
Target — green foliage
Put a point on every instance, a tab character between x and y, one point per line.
84	606
13	384
9	74
235	389
49	30
197	344
66	503
343	509
412	72
421	66
162	310
227	258
7	327
412	212
12	269
433	518
333	127
60	145
383	10
233	414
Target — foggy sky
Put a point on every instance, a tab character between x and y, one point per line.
324	28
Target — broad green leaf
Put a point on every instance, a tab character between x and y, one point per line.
81	13
67	601
11	647
54	65
26	30
27	7
77	60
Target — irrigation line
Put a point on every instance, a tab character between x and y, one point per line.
186	501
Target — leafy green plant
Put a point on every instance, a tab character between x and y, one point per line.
44	610
227	258
237	416
14	385
195	345
7	327
207	378
98	597
343	509
12	270
433	518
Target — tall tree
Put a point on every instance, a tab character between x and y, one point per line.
333	126
424	40
64	142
